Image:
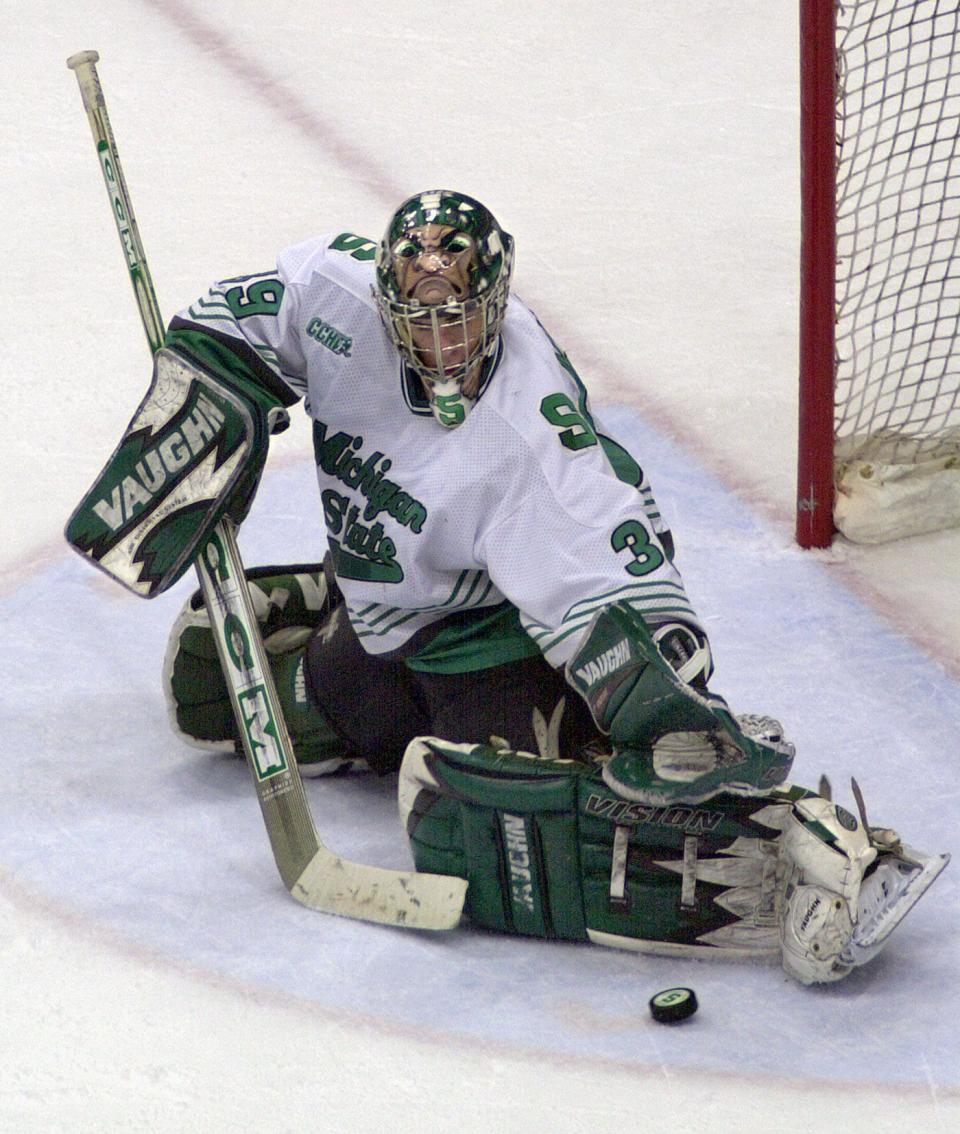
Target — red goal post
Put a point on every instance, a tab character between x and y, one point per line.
879	409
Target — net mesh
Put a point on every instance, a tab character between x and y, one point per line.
898	225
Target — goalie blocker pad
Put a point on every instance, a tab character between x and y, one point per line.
193	453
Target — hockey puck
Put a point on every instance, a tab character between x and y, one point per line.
673	1005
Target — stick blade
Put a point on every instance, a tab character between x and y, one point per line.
389	897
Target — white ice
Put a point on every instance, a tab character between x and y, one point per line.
155	975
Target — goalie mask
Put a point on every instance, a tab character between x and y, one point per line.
443	276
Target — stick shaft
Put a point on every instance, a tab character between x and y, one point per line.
84	66
256	706
314	875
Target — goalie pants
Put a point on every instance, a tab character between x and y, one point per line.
378	705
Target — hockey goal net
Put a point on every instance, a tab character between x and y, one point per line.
879	452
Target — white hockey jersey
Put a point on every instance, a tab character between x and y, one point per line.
456	548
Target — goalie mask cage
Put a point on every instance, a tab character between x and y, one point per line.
879	439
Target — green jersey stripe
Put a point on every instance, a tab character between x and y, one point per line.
663	588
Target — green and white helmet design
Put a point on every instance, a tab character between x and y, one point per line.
443	277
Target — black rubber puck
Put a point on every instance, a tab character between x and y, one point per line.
673	1004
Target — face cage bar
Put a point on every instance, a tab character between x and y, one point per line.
402	318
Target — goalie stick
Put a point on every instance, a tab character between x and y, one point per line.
313	874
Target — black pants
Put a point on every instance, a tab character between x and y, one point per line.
378	704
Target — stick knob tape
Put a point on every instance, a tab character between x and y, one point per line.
81	58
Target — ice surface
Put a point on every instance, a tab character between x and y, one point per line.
155	975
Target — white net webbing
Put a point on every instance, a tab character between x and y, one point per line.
898	227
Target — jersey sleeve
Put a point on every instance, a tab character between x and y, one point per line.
576	532
630	472
255	319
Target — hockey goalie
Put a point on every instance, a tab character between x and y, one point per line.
498	617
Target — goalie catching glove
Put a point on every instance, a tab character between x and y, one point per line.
672	738
290	603
549	850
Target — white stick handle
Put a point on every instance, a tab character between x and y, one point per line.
84	66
